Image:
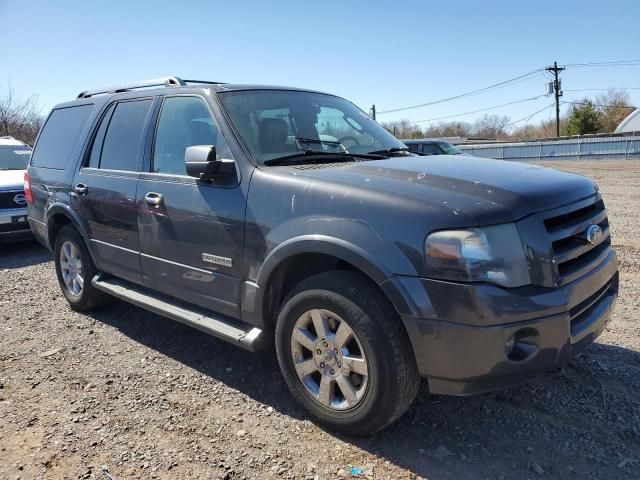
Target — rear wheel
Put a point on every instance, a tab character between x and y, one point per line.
75	269
344	353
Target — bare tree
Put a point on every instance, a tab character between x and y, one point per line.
613	106
19	118
403	129
491	126
449	129
544	129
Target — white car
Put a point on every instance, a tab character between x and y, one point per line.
14	157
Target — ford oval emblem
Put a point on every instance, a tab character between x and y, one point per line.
20	199
594	234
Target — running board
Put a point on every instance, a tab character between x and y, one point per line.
225	329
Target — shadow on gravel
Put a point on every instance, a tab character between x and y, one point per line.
546	425
23	254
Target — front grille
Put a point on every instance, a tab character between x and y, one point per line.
6	200
573	254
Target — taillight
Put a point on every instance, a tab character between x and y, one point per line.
27	188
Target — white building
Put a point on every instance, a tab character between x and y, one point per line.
631	123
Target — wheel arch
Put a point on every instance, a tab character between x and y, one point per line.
297	259
59	216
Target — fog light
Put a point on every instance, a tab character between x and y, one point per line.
522	345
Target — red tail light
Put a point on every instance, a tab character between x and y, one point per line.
27	188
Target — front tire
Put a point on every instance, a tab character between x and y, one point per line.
75	269
344	353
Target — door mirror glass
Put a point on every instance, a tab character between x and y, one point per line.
202	162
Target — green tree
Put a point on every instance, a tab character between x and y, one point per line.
583	118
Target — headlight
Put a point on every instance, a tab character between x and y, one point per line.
488	254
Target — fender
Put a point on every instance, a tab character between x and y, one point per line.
62	209
335	247
253	291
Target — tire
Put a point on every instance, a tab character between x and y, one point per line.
377	361
69	244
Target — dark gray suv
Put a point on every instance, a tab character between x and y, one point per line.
267	215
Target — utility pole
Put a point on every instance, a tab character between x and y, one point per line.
558	92
373	112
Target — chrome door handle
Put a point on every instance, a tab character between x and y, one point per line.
153	199
81	189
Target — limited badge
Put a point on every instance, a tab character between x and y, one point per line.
224	261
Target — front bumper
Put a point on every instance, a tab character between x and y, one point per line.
459	332
14	226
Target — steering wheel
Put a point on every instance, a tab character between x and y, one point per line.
354	141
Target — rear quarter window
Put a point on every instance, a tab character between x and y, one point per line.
59	137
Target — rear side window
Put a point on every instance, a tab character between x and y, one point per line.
59	136
124	132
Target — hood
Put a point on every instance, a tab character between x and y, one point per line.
484	190
11	179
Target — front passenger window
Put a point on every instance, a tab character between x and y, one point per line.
184	122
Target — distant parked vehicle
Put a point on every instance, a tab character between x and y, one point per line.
14	157
432	147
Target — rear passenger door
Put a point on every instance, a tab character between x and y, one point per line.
191	231
104	190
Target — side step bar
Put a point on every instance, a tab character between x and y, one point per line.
225	329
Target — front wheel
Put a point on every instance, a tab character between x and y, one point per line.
344	353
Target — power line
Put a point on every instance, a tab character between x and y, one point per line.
599	105
525	76
529	117
471	112
618	63
545	72
599	89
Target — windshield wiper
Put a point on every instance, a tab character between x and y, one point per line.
316	140
389	151
304	156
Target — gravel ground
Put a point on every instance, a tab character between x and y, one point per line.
126	394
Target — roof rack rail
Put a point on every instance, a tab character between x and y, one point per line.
155	82
206	82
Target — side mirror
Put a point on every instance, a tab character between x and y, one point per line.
202	162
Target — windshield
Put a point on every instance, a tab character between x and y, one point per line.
14	157
277	123
449	149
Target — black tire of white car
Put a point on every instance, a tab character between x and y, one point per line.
88	298
392	380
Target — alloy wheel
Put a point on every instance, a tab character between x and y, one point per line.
71	268
329	359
